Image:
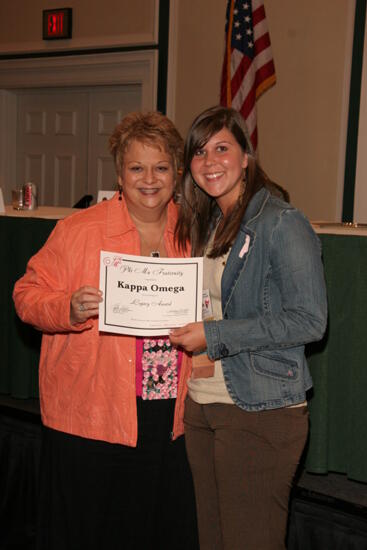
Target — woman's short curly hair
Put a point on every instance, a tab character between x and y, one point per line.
151	128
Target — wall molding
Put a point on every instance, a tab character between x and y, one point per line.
80	70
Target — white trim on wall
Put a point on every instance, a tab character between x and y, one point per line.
8	126
94	42
139	67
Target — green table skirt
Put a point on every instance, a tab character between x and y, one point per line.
20	238
338	403
338	408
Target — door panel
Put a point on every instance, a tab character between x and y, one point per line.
52	148
65	171
107	108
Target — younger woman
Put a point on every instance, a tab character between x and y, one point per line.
246	418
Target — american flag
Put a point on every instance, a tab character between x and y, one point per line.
248	67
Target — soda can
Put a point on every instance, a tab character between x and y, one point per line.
29	196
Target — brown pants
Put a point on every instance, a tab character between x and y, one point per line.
243	464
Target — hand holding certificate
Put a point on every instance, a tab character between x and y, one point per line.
146	296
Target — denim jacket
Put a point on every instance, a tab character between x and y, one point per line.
273	302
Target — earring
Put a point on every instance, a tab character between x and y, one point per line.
120	193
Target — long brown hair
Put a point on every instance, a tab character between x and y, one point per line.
199	211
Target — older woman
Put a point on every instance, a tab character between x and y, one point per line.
114	472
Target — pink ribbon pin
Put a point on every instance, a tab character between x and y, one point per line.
244	249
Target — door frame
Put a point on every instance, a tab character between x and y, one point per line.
115	68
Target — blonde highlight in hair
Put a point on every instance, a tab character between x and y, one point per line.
150	128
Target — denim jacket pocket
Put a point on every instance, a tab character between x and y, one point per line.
276	367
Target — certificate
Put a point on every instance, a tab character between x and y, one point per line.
146	296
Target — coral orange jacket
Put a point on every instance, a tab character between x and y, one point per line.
87	377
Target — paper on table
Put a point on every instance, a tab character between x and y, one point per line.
146	296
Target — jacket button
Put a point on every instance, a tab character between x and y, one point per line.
223	350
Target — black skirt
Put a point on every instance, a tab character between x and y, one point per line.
98	495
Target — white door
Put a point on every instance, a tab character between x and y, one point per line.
107	107
51	144
62	139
